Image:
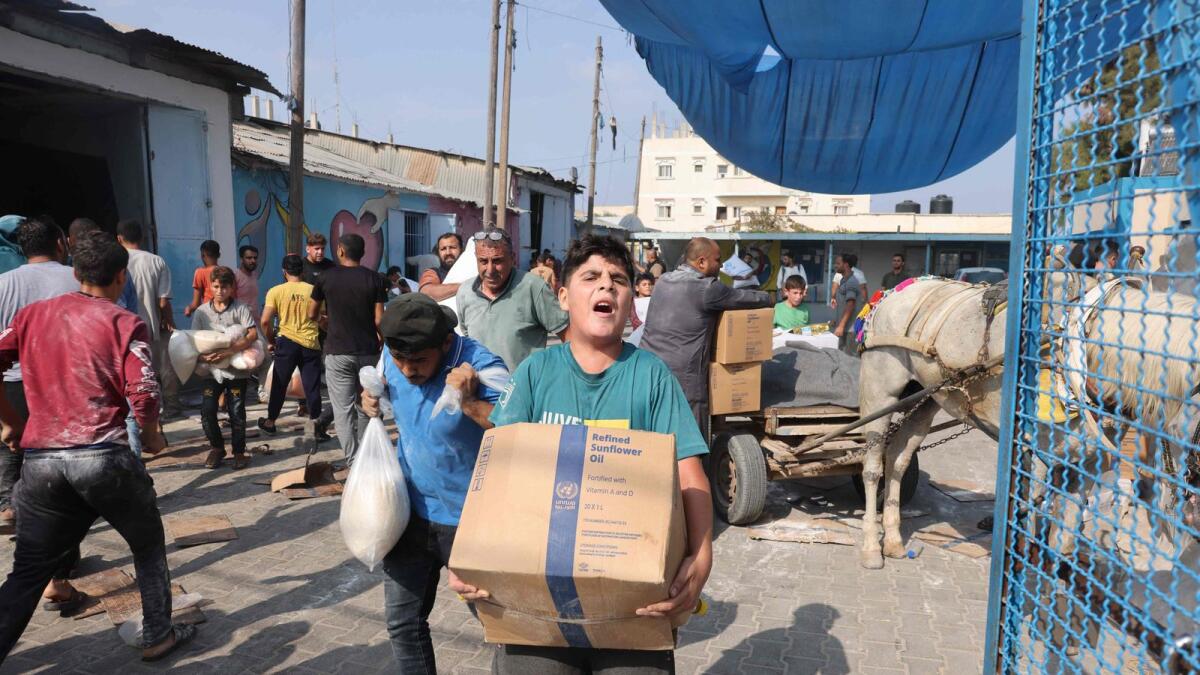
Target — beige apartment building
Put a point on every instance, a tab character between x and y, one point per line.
684	185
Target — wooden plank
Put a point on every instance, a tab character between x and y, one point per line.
811	429
811	411
195	530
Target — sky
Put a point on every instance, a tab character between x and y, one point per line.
419	70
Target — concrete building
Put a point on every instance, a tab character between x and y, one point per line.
684	185
109	122
931	244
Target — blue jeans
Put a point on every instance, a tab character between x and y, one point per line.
413	568
60	494
135	435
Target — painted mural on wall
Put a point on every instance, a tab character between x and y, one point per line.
331	208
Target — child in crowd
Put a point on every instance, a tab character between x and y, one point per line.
210	257
792	312
641	301
597	376
219	313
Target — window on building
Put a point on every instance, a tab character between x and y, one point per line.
698	166
780	210
804	208
665	170
663	210
416	236
698	208
841	209
737	171
722	170
737	212
722	212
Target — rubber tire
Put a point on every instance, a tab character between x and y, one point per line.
908	484
750	471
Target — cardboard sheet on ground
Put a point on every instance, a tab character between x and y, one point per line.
801	528
964	490
100	585
314	479
195	530
127	604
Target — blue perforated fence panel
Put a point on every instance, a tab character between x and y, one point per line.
1097	562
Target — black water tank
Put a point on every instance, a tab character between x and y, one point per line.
908	206
941	204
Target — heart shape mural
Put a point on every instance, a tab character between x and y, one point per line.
344	222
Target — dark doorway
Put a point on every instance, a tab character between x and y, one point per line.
64	185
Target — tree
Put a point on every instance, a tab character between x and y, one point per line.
1101	144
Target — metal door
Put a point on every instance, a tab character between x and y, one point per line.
178	150
1096	565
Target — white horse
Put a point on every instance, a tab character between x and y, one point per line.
1137	344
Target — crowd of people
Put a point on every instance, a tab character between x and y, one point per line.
75	432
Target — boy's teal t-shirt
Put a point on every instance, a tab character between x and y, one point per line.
637	392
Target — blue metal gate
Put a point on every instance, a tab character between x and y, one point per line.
1097	562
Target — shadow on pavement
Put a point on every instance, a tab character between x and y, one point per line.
813	649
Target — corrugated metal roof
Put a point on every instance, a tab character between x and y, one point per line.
75	16
272	143
359	160
448	174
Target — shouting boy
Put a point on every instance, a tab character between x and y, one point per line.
597	376
222	312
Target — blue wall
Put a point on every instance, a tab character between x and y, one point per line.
330	207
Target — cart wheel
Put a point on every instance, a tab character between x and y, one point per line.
908	484
738	474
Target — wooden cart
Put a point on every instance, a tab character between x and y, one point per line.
750	450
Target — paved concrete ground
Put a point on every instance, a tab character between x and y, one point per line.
288	597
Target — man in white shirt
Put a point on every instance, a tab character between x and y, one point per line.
152	279
788	268
44	276
852	259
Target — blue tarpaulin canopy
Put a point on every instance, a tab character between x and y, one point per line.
865	95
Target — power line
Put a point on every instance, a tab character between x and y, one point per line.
572	18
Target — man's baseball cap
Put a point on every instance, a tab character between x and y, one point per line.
413	322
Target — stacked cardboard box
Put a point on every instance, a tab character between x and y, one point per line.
571	530
743	342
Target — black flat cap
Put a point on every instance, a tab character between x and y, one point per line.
413	322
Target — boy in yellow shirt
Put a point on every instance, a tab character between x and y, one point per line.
296	346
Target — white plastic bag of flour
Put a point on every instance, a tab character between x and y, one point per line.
375	506
450	402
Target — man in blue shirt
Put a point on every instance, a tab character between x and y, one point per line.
423	356
599	380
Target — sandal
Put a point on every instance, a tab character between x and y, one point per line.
240	461
267	426
68	606
181	634
215	458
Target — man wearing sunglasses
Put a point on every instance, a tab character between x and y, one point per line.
506	309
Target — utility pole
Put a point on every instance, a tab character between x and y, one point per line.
637	184
296	156
591	202
502	197
490	149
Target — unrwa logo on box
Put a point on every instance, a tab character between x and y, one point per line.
566	493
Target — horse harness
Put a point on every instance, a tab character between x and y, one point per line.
992	301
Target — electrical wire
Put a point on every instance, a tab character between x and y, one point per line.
572	18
